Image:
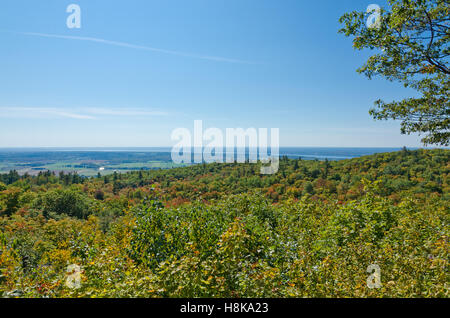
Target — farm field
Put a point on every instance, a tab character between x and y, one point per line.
86	164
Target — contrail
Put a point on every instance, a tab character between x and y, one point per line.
133	46
39	111
81	113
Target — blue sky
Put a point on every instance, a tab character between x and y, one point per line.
138	69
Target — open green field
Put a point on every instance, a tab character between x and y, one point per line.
84	163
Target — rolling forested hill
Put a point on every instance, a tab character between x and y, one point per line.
224	230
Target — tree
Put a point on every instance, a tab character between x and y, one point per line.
308	189
116	187
326	169
11	200
412	41
99	195
69	202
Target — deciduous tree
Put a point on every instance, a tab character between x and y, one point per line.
411	38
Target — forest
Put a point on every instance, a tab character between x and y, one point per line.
224	230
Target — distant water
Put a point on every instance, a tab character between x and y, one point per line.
307	153
333	153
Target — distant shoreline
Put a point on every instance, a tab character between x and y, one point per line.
91	161
169	149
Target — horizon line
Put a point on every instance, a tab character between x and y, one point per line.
170	147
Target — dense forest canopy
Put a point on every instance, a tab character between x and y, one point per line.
224	230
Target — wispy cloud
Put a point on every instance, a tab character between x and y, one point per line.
123	112
82	113
137	47
39	112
